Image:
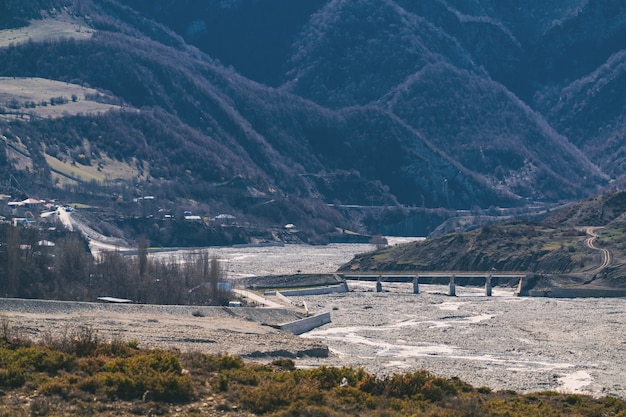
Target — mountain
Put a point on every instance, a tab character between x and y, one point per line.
564	249
328	114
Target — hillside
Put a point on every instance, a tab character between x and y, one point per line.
315	112
565	248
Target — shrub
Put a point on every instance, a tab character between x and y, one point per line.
41	359
243	376
270	396
57	387
406	385
156	371
85	341
285	364
573	399
329	377
116	385
355	398
218	363
11	377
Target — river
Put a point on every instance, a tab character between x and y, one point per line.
504	342
247	261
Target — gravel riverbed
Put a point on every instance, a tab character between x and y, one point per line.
504	342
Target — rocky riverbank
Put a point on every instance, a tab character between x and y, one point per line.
245	332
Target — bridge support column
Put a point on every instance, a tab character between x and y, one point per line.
416	284
520	285
379	284
452	286
488	286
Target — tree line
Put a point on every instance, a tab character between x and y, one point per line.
58	265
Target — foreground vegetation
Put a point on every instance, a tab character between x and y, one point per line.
79	374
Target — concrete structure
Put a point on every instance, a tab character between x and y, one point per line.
414	277
307	324
452	291
311	291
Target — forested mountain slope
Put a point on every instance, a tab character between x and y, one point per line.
426	105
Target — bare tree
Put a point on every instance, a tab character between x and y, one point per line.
14	261
113	272
220	288
73	266
142	254
214	275
380	241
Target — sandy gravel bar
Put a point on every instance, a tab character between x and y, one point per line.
247	332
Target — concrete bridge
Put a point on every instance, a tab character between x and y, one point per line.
414	277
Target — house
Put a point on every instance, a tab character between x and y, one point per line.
224	218
32	203
23	221
28	204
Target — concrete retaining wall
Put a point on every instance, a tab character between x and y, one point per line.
306	324
578	293
315	291
282	297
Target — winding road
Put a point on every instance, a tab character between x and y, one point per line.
606	254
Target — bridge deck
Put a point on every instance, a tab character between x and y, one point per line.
414	277
408	276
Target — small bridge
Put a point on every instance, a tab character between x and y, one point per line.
414	277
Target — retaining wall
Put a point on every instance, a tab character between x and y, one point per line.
315	291
306	324
578	293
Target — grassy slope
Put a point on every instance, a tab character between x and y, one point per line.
61	26
510	247
107	170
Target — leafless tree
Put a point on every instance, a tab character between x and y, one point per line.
14	261
380	241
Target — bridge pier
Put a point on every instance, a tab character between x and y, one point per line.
452	287
520	286
414	277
